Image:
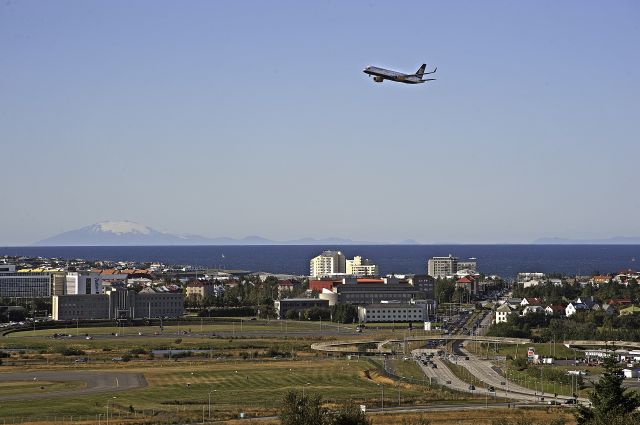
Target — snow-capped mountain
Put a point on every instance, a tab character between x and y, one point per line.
121	233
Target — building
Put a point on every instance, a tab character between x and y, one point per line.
27	284
450	265
392	312
319	285
359	267
297	305
82	283
374	293
442	266
201	289
118	303
327	264
502	313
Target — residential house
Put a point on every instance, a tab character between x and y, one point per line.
554	309
532	309
503	312
573	307
530	301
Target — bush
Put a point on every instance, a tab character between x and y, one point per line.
71	351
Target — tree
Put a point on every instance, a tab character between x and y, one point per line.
609	400
302	410
350	416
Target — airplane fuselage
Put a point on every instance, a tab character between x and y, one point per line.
380	74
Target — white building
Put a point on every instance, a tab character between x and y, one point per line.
442	266
327	264
392	312
502	313
80	283
358	267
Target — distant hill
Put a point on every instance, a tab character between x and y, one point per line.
123	233
617	240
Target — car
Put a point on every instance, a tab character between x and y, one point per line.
466	357
554	402
434	366
448	382
472	387
117	359
571	401
491	389
503	383
88	337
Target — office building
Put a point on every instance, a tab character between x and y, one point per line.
448	266
118	303
297	305
327	264
360	267
392	312
374	293
27	284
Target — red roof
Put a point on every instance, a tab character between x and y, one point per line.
465	279
619	301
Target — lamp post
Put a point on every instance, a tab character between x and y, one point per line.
382	397
109	401
212	391
308	383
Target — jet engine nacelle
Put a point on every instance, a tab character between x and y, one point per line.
378	79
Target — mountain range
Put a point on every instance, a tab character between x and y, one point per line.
122	233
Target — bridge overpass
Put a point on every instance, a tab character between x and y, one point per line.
352	346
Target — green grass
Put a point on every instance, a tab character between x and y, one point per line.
238	385
559	351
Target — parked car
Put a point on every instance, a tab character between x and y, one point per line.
472	387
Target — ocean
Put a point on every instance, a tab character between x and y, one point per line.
503	260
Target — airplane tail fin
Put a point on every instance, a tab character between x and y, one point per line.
420	72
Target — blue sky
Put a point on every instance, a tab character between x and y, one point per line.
244	118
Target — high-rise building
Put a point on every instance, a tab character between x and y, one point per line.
359	267
442	266
328	263
448	266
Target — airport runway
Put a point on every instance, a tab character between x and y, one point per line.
94	382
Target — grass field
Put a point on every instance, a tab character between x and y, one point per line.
246	367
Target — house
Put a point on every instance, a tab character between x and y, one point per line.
530	301
556	282
597	280
554	309
573	308
530	283
502	313
514	302
532	309
286	285
468	283
589	303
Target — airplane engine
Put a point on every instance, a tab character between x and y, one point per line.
378	79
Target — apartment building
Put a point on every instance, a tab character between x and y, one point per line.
327	264
360	267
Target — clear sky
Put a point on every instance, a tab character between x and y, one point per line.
236	118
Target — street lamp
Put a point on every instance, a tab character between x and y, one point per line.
213	391
382	399
109	401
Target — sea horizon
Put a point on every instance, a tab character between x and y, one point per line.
505	260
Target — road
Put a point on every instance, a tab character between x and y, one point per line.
94	382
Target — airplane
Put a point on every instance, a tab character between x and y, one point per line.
381	74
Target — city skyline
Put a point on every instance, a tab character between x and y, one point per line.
229	120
